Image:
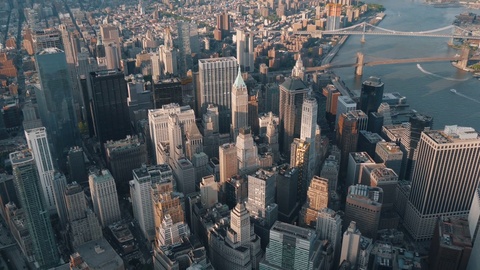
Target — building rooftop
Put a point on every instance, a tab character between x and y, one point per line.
19	157
123	144
389	147
361	157
263	174
454	231
218	59
373	81
346	100
371	136
294	84
99	254
292	230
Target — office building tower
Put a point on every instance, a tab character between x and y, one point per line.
165	201
474	226
351	245
235	246
76	165
449	186
228	161
299	158
139	97
347	137
55	100
188	43
122	157
261	192
112	57
47	38
216	77
272	98
390	154
59	185
158	120
308	130
110	34
299	70
329	227
223	25
168	55
387	180
333	16
344	105
451	246
356	161
140	193
371	95
385	111
364	205
329	171
273	138
83	223
109	105
208	191
27	185
245	50
292	93
332	94
375	122
287	180
239	105
367	142
101	54
104	197
171	233
167	91
184	173
209	130
317	199
418	123
37	141
247	151
291	247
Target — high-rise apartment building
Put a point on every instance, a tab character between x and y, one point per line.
223	24
291	247
444	178
333	16
109	105
38	220
55	100
239	105
104	197
216	77
371	95
292	93
245	50
37	141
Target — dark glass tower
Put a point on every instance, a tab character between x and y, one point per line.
27	184
371	95
110	115
55	99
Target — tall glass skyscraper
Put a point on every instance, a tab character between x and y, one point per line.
28	188
371	95
55	102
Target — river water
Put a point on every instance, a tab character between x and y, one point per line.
427	85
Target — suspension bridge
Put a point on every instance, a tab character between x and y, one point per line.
364	28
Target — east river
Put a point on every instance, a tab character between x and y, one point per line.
427	85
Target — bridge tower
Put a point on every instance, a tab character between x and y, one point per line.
463	62
360	63
362	40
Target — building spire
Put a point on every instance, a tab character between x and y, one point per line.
239	83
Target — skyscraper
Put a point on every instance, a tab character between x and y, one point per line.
329	226
308	129
76	165
38	220
344	104
245	50
55	99
109	105
261	192
104	197
216	77
287	180
38	143
227	154
317	199
347	138
188	43
333	16
364	205
390	154
291	247
247	151
371	95
292	93
239	105
168	55
444	178
299	158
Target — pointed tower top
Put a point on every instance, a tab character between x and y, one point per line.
239	83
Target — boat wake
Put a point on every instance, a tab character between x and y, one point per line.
464	96
438	76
